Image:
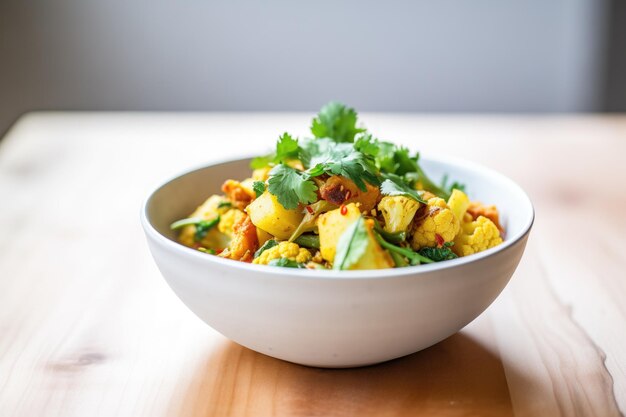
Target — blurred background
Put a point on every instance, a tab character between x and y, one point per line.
530	56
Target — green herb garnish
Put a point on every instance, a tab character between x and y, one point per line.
286	149
336	121
394	185
285	263
258	187
438	254
352	245
267	245
291	186
454	185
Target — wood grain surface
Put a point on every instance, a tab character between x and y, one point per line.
89	328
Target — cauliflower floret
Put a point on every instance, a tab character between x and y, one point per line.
439	225
284	250
229	219
476	236
477	209
398	212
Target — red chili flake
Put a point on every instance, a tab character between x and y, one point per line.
343	210
440	240
348	194
309	209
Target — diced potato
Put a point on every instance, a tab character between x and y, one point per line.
261	174
229	219
268	214
331	226
262	236
458	203
247	185
398	212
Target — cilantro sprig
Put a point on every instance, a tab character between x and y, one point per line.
286	148
339	147
336	121
324	156
395	185
258	187
291	186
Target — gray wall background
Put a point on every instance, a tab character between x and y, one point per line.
397	55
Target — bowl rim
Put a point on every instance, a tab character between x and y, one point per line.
152	232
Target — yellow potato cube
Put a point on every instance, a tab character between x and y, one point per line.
331	226
268	214
458	203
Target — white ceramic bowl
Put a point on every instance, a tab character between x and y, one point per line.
335	318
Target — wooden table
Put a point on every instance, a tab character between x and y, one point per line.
89	328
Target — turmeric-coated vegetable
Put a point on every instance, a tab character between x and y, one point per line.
437	225
476	236
398	212
287	250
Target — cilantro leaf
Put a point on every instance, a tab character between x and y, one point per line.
285	263
336	121
367	145
352	245
258	187
286	148
394	185
443	253
325	156
261	161
453	186
393	159
291	186
267	245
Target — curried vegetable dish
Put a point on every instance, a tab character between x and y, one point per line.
341	199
